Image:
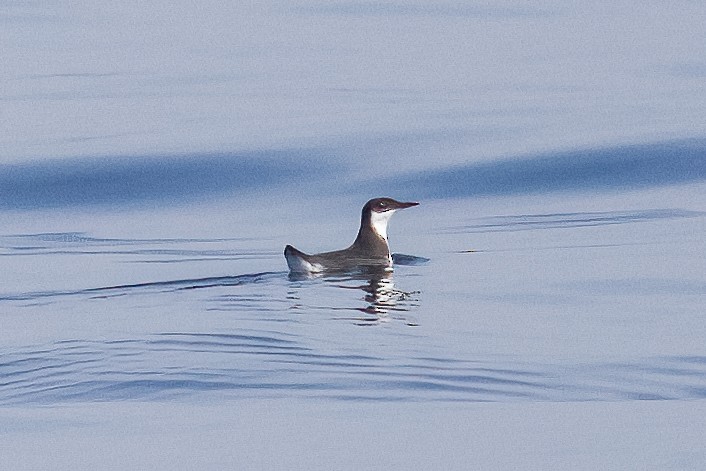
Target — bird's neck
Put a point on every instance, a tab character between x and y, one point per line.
372	235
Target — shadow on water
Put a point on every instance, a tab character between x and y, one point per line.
120	180
137	180
616	168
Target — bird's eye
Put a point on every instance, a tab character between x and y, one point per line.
381	204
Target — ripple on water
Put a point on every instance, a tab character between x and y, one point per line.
307	359
277	364
526	222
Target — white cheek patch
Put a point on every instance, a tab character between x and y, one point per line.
379	222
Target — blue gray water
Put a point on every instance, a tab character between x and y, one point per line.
515	319
156	158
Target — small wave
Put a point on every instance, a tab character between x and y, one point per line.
150	287
404	259
81	238
527	222
363	9
160	250
279	364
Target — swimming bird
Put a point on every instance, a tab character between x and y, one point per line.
370	247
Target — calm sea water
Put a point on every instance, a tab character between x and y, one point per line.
155	163
558	306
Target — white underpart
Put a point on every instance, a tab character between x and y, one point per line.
379	222
299	265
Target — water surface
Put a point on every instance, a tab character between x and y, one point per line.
546	307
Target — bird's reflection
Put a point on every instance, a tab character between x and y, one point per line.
382	302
